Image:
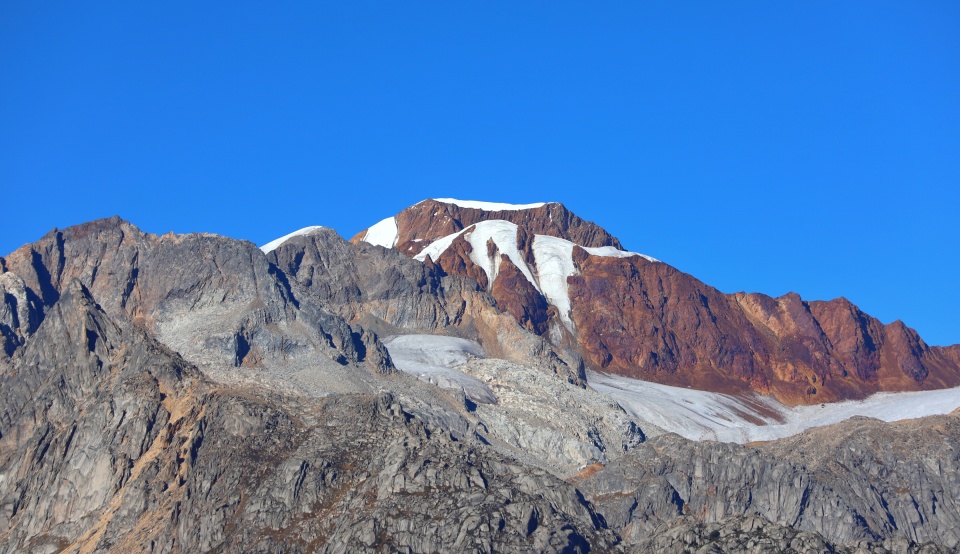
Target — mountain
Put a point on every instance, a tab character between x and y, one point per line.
628	314
196	393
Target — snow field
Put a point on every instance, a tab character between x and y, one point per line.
702	415
384	233
432	358
693	414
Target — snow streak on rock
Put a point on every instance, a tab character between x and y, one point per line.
553	258
274	244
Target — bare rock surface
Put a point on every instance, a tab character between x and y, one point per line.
528	414
557	425
648	320
215	300
862	480
755	535
112	442
20	313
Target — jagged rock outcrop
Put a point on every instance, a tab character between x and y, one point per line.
518	297
755	535
862	480
215	300
20	312
634	316
88	406
542	419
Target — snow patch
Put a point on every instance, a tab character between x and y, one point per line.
611	252
383	233
491	206
274	244
432	358
438	247
702	415
554	258
504	236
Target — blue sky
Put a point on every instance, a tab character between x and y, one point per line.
760	146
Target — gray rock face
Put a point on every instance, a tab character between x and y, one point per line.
862	480
20	313
546	419
755	535
111	442
384	290
215	300
84	407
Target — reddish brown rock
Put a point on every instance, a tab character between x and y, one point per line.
648	320
518	297
456	261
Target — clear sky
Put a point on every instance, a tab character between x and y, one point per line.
761	146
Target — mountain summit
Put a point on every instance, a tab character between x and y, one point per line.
571	281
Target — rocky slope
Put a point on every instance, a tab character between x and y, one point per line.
860	480
217	301
635	316
194	394
111	442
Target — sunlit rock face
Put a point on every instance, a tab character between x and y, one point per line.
571	282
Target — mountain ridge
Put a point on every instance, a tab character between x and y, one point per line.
628	314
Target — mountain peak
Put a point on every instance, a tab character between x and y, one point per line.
415	227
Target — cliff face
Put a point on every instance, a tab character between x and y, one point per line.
856	481
213	299
635	316
647	320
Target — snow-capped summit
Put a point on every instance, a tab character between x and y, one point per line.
572	282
